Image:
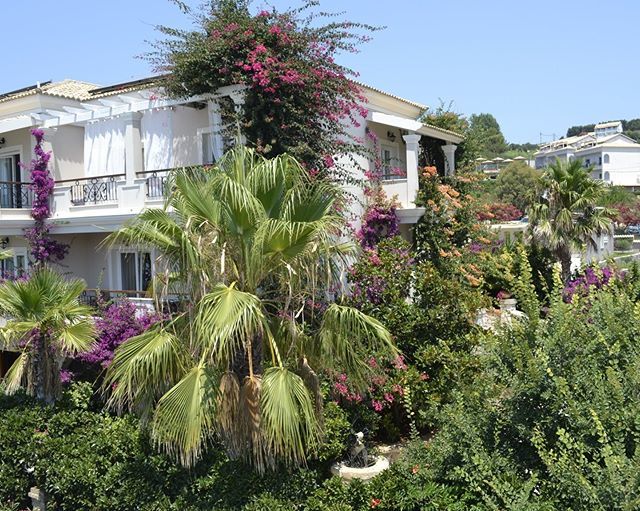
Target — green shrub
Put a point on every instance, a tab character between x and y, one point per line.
552	420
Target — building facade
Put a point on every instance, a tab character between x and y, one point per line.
613	156
113	147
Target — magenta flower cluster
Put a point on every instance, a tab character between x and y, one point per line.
592	278
117	323
379	222
42	247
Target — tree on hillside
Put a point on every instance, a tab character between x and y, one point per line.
485	129
577	130
256	246
47	323
517	184
566	217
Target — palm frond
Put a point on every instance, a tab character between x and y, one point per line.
143	368
289	423
183	421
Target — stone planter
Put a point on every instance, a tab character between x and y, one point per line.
508	304
348	473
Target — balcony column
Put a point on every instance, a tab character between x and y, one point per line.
449	151
413	149
132	146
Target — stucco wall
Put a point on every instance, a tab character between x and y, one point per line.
186	122
67	143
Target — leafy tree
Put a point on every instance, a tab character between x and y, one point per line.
577	130
565	217
517	184
297	98
254	243
486	130
445	117
47	323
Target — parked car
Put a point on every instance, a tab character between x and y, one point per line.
633	229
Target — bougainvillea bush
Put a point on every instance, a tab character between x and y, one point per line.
116	322
298	99
499	212
42	247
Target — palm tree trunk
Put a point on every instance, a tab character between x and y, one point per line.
43	378
564	255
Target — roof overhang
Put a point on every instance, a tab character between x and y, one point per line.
414	126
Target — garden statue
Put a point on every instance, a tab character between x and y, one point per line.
358	456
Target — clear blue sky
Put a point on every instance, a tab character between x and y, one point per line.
538	66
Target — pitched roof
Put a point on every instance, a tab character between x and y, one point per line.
380	91
70	89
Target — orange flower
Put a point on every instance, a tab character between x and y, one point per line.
415	469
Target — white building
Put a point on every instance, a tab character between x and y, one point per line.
111	151
615	157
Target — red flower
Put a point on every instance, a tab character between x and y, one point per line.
375	503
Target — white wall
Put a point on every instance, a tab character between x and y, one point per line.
623	166
186	122
67	143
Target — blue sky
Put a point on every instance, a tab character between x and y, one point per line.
538	66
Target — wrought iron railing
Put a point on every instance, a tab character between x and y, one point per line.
155	183
15	194
168	304
94	190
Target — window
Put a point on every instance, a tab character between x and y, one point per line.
607	177
587	162
16	265
11	195
600	160
606	158
390	162
136	270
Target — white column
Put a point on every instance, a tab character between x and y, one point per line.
132	145
215	123
449	151
413	148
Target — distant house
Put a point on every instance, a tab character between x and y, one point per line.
614	157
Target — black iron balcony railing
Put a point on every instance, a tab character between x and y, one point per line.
15	195
155	183
93	190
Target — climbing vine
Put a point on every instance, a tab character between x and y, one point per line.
42	247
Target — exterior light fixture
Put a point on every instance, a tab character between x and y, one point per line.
391	136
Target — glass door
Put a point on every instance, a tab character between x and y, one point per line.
10	192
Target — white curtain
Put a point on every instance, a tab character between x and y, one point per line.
157	139
104	148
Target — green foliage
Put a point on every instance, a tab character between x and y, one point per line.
297	98
518	184
564	217
254	243
551	421
485	129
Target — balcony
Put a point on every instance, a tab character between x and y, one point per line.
155	182
15	195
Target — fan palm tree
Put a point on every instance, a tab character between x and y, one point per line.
46	323
255	244
565	217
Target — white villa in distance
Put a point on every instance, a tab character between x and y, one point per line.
614	156
112	148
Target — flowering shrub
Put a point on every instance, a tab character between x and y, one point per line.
42	248
297	98
591	278
118	322
386	402
499	212
380	220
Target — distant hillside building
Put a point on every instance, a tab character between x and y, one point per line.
615	157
